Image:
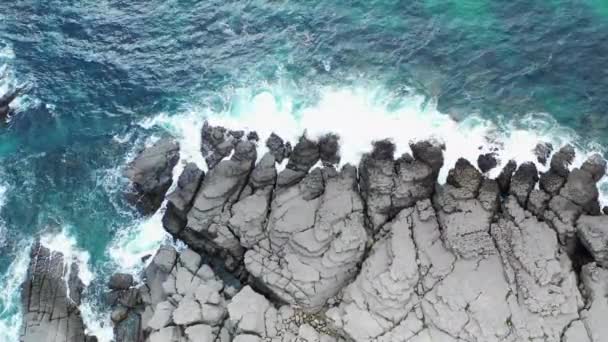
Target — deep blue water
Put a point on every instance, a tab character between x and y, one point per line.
98	69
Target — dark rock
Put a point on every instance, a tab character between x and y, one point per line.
562	159
277	147
216	143
304	155
120	281
543	152
504	179
523	182
49	314
152	174
465	176
487	162
596	166
180	201
329	149
551	182
429	152
605	210
253	136
383	150
238	135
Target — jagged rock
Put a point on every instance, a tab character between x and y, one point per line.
429	152
487	162
217	143
580	188
543	152
329	149
545	298
277	147
151	173
207	228
523	182
466	205
304	155
385	291
605	210
551	182
596	166
504	178
51	295
388	186
251	211
180	201
594	280
120	281
562	159
593	233
538	201
377	173
253	136
312	245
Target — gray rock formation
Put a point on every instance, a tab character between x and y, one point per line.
51	294
151	174
380	253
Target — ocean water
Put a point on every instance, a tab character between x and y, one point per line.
109	76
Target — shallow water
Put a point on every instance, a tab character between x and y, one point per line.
108	76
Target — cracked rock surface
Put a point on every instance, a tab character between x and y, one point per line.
380	252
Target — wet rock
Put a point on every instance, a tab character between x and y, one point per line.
50	297
551	182
543	152
593	233
119	314
151	173
596	166
505	176
329	149
277	147
304	155
487	162
580	188
180	201
523	182
562	159
429	152
120	281
253	136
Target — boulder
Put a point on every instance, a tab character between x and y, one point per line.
505	176
151	174
596	166
562	159
523	182
487	162
543	152
120	281
277	147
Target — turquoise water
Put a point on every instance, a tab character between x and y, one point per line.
110	75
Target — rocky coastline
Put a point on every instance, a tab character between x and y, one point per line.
379	251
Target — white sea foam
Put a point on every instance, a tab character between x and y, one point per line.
10	294
363	114
96	321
